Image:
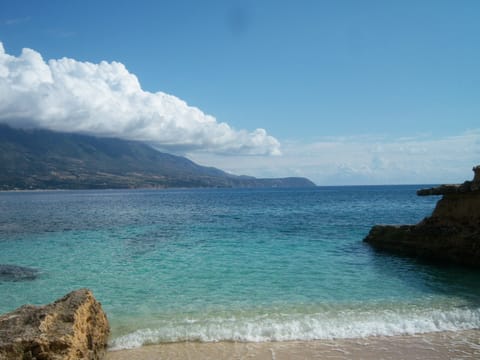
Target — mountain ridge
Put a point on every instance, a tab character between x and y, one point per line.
44	159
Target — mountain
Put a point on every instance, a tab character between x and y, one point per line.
43	159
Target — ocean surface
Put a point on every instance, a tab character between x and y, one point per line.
233	264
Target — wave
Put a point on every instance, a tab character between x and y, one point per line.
288	327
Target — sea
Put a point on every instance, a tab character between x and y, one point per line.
246	265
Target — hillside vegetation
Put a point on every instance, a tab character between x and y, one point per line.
43	159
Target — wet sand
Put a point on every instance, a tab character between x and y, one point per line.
443	345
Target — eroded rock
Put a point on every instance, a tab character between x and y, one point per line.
451	234
466	187
73	327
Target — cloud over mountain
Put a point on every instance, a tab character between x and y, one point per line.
106	99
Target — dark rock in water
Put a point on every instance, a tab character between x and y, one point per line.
73	327
17	273
451	234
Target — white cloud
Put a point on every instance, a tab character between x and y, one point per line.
361	160
106	99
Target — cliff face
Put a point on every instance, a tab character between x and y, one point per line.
451	234
462	209
73	327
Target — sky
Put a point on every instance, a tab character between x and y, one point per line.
342	92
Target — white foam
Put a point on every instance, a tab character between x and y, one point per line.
284	327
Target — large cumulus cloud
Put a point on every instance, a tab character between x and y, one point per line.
106	99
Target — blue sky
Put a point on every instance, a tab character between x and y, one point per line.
354	92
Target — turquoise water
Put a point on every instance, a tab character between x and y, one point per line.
228	264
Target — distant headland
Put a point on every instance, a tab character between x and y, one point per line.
43	159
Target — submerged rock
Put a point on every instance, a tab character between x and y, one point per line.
73	327
451	234
17	273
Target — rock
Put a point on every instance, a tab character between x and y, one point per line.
467	186
476	178
73	327
16	273
451	234
446	189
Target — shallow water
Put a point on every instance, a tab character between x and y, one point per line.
228	264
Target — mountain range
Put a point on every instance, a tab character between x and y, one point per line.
44	159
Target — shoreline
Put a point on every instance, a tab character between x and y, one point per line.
463	344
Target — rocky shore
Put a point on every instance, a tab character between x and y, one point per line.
450	235
73	327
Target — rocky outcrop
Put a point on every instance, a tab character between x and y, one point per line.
466	187
73	327
451	234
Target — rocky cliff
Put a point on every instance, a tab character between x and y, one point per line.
73	327
451	234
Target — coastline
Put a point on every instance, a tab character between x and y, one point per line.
219	271
463	344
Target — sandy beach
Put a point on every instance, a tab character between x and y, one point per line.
442	345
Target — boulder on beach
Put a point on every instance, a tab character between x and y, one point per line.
450	235
73	327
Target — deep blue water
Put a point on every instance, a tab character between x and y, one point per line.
231	264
